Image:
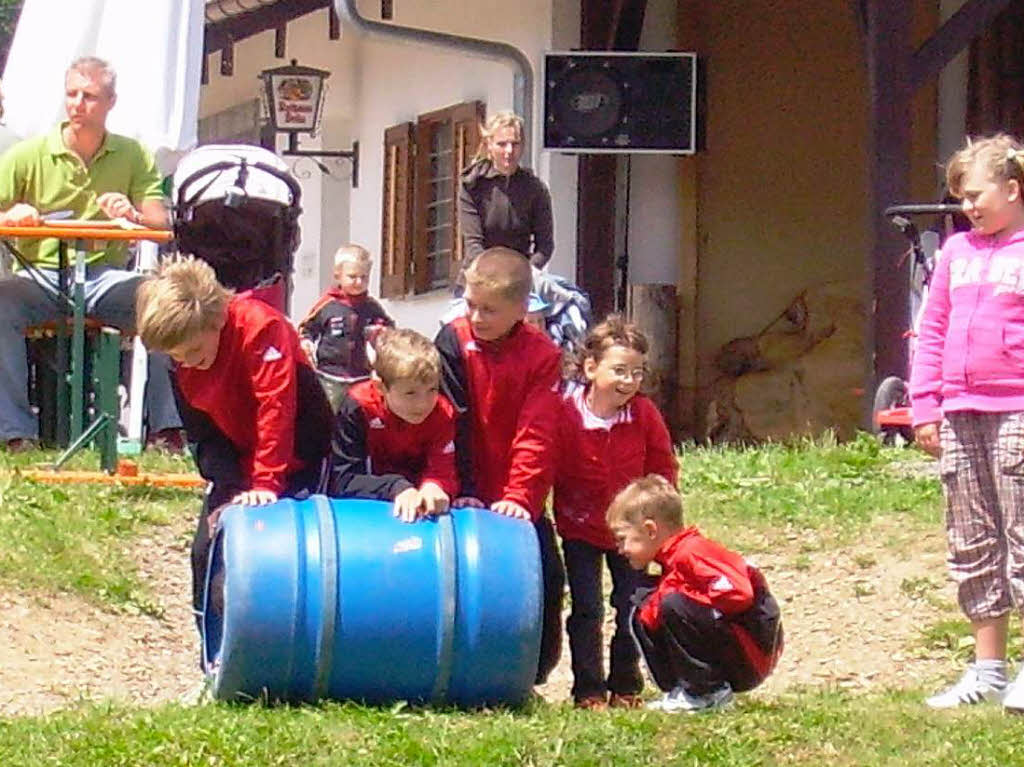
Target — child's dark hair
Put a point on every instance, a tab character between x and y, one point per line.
613	331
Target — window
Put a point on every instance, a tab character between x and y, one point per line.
421	246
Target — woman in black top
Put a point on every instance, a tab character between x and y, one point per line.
500	202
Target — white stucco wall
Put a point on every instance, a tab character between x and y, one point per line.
654	180
376	83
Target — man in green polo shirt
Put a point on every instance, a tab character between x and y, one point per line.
80	168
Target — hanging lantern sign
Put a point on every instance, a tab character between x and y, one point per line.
294	95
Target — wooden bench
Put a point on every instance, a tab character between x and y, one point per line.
98	380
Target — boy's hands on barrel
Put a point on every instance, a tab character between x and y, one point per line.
510	509
412	504
433	499
407	504
255	498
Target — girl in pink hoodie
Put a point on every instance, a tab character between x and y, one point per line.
967	393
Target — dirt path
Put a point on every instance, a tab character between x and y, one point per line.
56	651
852	617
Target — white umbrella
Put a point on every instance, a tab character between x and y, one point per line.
155	46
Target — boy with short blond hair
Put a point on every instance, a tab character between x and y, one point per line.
249	400
503	378
336	329
394	435
710	626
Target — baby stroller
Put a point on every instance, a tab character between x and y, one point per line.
892	420
237	208
567	314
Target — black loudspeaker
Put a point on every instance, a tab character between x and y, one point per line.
620	102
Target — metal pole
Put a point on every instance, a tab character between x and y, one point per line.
61	426
78	345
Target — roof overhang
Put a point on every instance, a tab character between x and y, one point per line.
230	21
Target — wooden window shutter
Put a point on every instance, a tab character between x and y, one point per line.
424	134
445	142
397	211
466	120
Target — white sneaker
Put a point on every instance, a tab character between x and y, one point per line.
1013	700
679	700
969	691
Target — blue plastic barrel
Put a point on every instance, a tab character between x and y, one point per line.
335	598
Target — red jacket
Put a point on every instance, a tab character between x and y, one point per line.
596	460
250	392
712	575
506	395
378	455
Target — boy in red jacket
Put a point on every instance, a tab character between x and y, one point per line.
503	378
710	626
248	398
394	436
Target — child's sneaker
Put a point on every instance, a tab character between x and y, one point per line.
679	700
1013	700
969	691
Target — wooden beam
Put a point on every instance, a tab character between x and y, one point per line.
972	18
236	28
603	24
889	28
280	41
595	231
689	35
333	24
227	59
627	24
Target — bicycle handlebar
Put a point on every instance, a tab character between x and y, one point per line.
936	209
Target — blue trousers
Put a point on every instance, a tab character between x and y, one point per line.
109	298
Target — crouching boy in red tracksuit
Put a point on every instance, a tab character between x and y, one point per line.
503	378
710	626
248	398
394	436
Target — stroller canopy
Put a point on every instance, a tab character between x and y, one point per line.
237	207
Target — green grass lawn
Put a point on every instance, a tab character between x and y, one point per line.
813	728
79	540
753	498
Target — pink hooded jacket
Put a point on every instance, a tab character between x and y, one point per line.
970	349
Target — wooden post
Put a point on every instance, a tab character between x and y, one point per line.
895	70
689	16
604	24
888	59
654	309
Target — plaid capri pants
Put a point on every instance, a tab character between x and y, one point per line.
982	468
